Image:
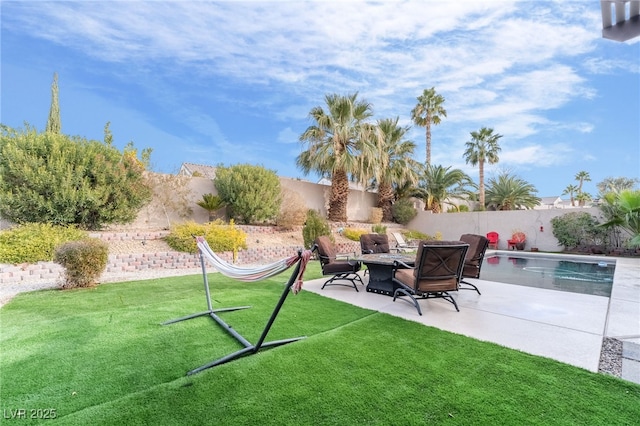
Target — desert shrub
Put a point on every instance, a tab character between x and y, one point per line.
314	227
252	193
35	242
293	210
458	209
403	211
379	229
354	234
219	235
412	235
84	261
376	215
54	178
577	228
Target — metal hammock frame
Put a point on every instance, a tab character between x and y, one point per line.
249	348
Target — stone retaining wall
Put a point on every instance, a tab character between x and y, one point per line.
139	262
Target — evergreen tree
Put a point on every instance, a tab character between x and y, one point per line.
53	122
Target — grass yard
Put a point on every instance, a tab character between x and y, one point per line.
100	357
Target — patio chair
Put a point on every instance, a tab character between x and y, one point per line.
438	271
473	259
401	244
374	243
493	238
339	269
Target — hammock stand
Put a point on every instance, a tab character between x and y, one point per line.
249	348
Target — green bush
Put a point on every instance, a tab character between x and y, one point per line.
420	236
403	211
35	242
458	209
219	235
58	179
577	228
252	193
314	227
379	229
84	261
354	234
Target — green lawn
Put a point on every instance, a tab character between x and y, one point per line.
100	356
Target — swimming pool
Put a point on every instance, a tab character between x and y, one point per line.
586	276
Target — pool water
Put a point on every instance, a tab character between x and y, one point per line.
550	273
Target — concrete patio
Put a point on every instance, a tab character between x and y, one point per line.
566	327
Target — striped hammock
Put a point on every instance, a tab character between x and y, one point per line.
256	273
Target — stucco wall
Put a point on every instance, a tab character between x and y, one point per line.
536	224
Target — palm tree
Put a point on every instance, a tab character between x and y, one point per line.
583	197
392	165
211	203
618	184
509	192
429	110
582	177
335	143
570	190
440	184
482	148
623	210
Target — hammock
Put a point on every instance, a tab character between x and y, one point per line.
247	274
257	273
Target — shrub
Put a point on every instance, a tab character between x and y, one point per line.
458	209
354	234
376	215
58	179
577	228
403	211
35	242
211	203
379	229
314	227
219	235
84	261
252	193
293	210
412	235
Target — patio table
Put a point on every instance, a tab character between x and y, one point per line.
380	266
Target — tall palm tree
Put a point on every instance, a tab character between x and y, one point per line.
438	185
582	177
429	110
509	192
393	165
570	190
335	143
483	148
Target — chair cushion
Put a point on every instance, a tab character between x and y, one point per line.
341	266
326	249
374	243
477	247
432	243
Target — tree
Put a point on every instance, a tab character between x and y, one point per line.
428	111
483	148
509	192
337	144
623	211
393	165
570	190
438	185
53	122
251	193
619	184
53	178
582	177
211	203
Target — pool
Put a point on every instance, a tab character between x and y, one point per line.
587	276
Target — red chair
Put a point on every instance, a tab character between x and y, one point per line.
493	238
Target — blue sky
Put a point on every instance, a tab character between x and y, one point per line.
233	82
